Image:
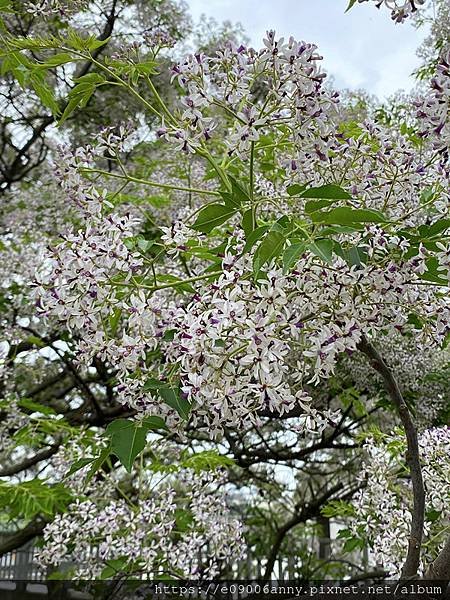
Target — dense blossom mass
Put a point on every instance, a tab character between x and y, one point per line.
381	510
247	342
252	265
182	530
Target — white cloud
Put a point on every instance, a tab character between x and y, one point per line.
361	48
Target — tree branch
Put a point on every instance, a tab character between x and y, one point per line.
27	463
307	512
412	561
18	539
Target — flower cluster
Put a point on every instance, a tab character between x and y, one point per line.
239	347
182	529
85	264
12	419
51	8
433	109
111	141
29	219
176	237
400	9
86	287
383	508
244	347
384	170
287	72
83	280
437	40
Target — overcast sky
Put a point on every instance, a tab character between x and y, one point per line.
363	48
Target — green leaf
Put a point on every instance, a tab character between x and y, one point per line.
77	465
283	224
350	129
338	508
329	191
414	320
113	567
58	576
438	227
247	222
348	396
171	396
239	192
237	196
291	254
36	341
77	42
271	247
433	274
98	462
430	276
314	205
253	237
207	460
136	71
56	61
155	384
355	256
445	344
183	519
69	109
145	245
323	249
128	439
211	216
44	93
229	200
81	93
5	6
344	534
173	399
350	4
154	423
295	189
348	216
433	515
19	66
352	544
31	498
36	406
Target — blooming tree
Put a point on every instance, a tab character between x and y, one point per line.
232	269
